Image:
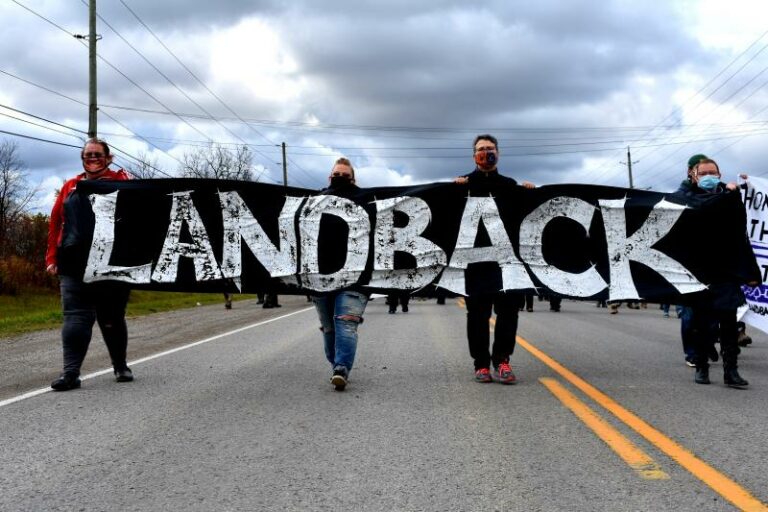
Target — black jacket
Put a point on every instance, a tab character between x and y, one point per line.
726	293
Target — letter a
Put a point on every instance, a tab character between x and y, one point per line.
206	268
513	273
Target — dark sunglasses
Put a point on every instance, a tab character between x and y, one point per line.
93	155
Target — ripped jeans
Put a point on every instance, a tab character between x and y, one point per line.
83	305
340	313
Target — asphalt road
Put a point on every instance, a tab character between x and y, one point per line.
248	420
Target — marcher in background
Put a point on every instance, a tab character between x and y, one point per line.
402	297
685	315
341	311
227	300
85	303
270	301
719	302
554	303
665	310
528	302
486	179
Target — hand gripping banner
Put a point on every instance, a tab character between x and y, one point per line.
578	241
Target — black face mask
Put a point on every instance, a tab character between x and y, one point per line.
340	181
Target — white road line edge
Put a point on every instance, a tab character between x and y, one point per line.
40	391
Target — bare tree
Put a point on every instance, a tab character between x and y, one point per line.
15	192
218	162
144	168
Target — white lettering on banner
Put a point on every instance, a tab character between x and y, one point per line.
98	267
756	204
357	242
388	239
199	250
281	259
584	284
513	273
639	247
241	225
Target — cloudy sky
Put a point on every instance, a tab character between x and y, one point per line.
400	87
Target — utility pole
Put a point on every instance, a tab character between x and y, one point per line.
285	168
629	163
92	106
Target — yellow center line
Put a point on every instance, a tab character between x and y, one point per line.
636	458
720	483
717	481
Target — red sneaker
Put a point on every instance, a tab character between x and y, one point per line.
503	373
483	375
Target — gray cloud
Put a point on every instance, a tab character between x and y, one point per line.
445	65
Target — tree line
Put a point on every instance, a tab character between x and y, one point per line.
24	233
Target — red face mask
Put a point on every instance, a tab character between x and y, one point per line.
486	159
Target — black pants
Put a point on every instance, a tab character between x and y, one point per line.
707	326
394	298
83	305
479	307
529	301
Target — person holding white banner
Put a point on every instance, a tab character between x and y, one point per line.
84	304
714	310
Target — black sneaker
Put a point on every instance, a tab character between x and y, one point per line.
123	375
339	379
66	382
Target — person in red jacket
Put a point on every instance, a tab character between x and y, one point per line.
85	303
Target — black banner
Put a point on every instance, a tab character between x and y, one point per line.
577	241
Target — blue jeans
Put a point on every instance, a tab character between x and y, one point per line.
340	313
686	333
83	305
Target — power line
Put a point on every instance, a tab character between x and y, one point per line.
15	134
187	96
190	71
40	125
320	126
29	82
40	118
44	18
711	80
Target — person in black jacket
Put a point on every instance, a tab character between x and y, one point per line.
341	311
486	179
713	311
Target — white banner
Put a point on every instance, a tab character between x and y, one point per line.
756	203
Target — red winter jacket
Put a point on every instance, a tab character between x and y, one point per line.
56	225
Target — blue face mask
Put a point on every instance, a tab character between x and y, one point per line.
708	182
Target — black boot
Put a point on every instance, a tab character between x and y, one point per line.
733	379
702	375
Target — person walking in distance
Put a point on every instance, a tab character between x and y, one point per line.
486	179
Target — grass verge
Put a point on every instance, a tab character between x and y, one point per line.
38	310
